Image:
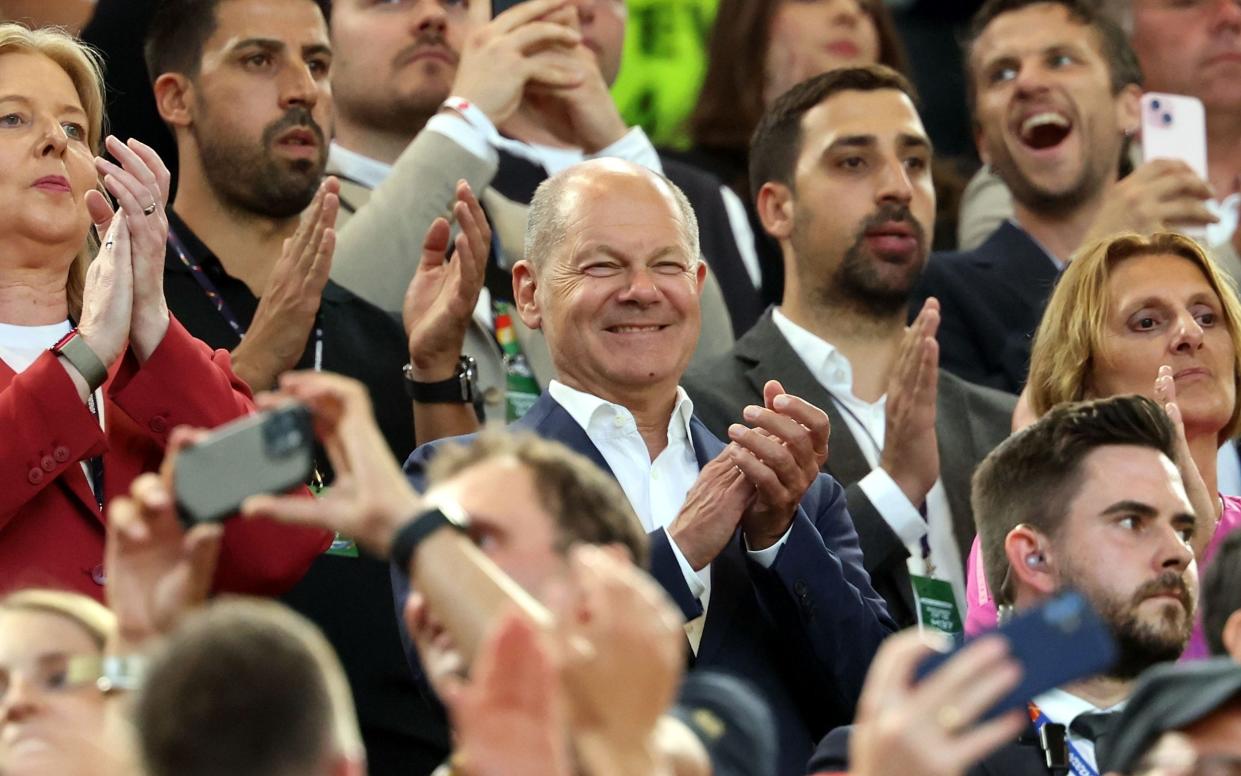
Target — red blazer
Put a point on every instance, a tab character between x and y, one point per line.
51	531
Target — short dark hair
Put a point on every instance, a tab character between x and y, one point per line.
177	32
588	505
1122	63
1033	476
1221	592
777	139
244	687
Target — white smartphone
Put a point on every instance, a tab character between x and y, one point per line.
1174	127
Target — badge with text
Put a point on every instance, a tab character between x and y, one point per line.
937	608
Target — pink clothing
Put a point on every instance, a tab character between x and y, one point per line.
980	614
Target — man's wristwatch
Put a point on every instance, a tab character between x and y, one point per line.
409	536
461	388
73	348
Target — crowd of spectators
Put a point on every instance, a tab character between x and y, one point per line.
734	457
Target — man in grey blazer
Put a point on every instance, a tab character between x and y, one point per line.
840	165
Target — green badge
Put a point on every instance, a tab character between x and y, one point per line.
936	606
342	547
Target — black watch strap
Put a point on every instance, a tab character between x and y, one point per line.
425	523
458	389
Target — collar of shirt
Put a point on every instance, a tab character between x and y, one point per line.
600	418
828	365
356	167
1060	265
1063	707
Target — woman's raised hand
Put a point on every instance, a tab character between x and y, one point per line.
108	297
140	185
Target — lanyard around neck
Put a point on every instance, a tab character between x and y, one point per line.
216	299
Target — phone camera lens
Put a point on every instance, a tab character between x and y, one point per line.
1155	105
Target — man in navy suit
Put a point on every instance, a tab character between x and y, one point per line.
750	540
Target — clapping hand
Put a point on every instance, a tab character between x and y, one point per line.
140	185
441	297
910	448
781	454
288	305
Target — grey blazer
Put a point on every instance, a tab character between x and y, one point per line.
379	244
970	421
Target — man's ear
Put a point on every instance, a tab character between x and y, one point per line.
1029	561
775	209
173	93
525	288
1129	110
1232	635
979	144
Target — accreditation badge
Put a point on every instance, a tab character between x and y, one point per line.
936	605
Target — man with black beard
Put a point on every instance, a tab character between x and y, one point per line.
841	177
244	86
1086	498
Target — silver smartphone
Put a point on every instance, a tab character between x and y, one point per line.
268	452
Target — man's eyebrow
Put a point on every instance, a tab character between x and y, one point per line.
910	140
852	141
312	49
267	44
1128	505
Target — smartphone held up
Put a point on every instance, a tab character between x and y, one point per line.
268	452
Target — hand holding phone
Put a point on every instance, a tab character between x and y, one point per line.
1061	641
269	452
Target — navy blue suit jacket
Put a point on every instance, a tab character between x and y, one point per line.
991	301
803	631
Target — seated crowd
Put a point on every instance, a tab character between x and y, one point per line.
626	460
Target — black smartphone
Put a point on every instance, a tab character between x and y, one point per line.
268	452
1061	641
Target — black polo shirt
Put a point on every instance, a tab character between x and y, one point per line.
349	598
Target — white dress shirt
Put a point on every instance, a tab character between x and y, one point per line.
1063	707
656	489
867	423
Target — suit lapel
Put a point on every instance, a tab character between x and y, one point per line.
728	570
1025	266
957	442
548	419
770	353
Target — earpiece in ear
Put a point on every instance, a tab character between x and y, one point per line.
1034	560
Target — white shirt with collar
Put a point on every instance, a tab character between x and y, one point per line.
656	489
1062	707
867	423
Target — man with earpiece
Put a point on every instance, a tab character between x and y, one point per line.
1087	498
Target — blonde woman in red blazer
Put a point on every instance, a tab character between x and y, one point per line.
86	407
